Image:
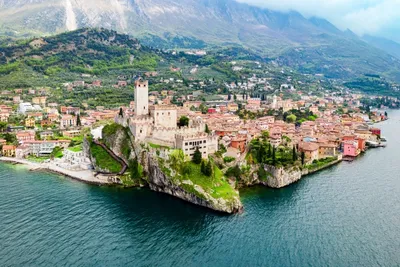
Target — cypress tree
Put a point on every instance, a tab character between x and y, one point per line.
203	167
208	169
78	120
273	156
294	153
197	156
269	153
207	130
303	156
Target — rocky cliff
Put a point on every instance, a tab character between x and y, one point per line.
159	181
278	177
161	178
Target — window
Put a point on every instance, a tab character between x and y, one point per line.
186	143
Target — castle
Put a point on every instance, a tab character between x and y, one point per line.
157	124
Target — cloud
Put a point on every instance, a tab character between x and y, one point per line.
360	16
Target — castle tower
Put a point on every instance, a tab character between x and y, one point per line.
141	97
274	102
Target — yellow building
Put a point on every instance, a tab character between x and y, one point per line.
40	100
30	123
8	151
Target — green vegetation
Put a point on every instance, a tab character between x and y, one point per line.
77	148
37	159
372	85
197	158
57	152
158	146
104	160
229	159
215	184
135	169
110	136
263	175
234	172
262	152
183	121
316	164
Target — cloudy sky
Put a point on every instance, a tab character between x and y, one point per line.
375	17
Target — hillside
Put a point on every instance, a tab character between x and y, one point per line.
100	54
311	45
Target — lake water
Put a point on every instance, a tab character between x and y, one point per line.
348	215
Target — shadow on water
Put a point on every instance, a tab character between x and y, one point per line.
141	208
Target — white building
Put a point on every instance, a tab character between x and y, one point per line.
23	108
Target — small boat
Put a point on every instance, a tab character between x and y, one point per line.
372	144
383	139
350	159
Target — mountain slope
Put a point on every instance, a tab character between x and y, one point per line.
312	45
386	45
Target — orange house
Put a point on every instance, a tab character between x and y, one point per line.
361	144
239	143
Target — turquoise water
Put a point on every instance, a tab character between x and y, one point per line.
348	215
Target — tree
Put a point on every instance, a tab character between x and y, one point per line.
3	126
294	154
234	97
303	156
229	97
386	114
269	153
121	114
183	121
10	138
78	120
208	171
273	155
291	118
203	108
203	167
176	159
134	169
197	156
207	130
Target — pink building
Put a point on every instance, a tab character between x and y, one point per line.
350	149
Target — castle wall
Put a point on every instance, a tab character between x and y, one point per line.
165	117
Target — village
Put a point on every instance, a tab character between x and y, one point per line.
331	126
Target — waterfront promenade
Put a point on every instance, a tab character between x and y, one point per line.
86	176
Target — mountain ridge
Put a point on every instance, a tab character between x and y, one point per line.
311	45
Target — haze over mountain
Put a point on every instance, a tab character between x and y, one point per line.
312	45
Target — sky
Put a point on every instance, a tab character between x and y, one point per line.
374	17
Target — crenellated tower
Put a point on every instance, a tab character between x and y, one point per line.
141	97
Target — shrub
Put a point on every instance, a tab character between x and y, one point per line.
228	159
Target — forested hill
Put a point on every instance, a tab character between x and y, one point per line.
50	61
87	50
